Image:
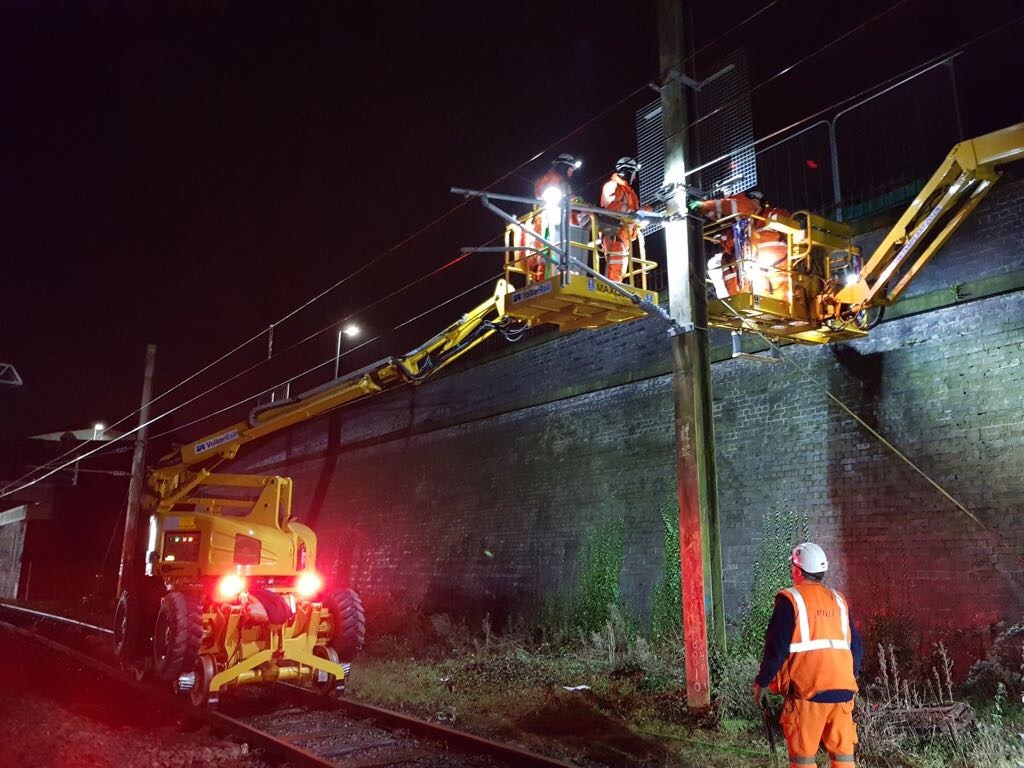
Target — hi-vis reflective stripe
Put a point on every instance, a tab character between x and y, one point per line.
806	644
842	612
818	645
801	611
719	208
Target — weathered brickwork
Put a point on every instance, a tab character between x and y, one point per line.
947	390
476	492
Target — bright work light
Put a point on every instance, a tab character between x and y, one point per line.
308	584
552	195
229	586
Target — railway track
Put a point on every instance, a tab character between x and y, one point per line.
291	725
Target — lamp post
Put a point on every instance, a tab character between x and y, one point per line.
349	330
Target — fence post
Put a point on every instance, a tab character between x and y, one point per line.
951	65
836	188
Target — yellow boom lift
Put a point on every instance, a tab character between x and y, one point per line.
829	292
231	594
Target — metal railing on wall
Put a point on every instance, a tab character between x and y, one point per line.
871	155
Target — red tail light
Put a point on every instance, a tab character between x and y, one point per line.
308	584
229	586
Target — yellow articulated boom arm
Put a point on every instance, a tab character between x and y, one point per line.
953	191
177	475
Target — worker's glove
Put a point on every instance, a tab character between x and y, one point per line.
760	696
694	205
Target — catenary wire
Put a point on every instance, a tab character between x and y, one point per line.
264	361
158	417
402	324
787	69
897	80
6	489
778	350
411	237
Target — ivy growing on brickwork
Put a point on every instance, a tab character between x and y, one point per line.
666	611
782	528
597	587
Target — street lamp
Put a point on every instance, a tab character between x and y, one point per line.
349	330
97	430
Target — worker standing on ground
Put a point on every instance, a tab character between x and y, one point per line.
812	655
618	195
552	188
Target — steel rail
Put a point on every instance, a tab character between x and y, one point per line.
464	742
53	617
281	749
459	741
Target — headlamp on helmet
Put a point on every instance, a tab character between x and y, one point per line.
570	162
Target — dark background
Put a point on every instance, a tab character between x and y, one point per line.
187	173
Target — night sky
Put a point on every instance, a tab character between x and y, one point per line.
187	173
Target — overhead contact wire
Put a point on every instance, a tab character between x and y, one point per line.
5	491
407	239
330	360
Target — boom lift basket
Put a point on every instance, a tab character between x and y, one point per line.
573	300
782	297
823	290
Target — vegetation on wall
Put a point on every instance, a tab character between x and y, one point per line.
667	606
598	593
595	687
782	528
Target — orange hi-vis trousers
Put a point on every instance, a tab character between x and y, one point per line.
805	724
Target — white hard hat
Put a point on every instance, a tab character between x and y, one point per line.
810	558
569	161
626	165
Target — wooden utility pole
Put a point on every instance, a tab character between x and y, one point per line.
699	547
126	573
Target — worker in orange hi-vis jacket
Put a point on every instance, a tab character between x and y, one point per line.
552	187
618	195
738	246
770	277
812	655
751	201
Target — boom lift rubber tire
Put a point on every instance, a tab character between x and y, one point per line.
348	623
133	623
130	629
177	635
